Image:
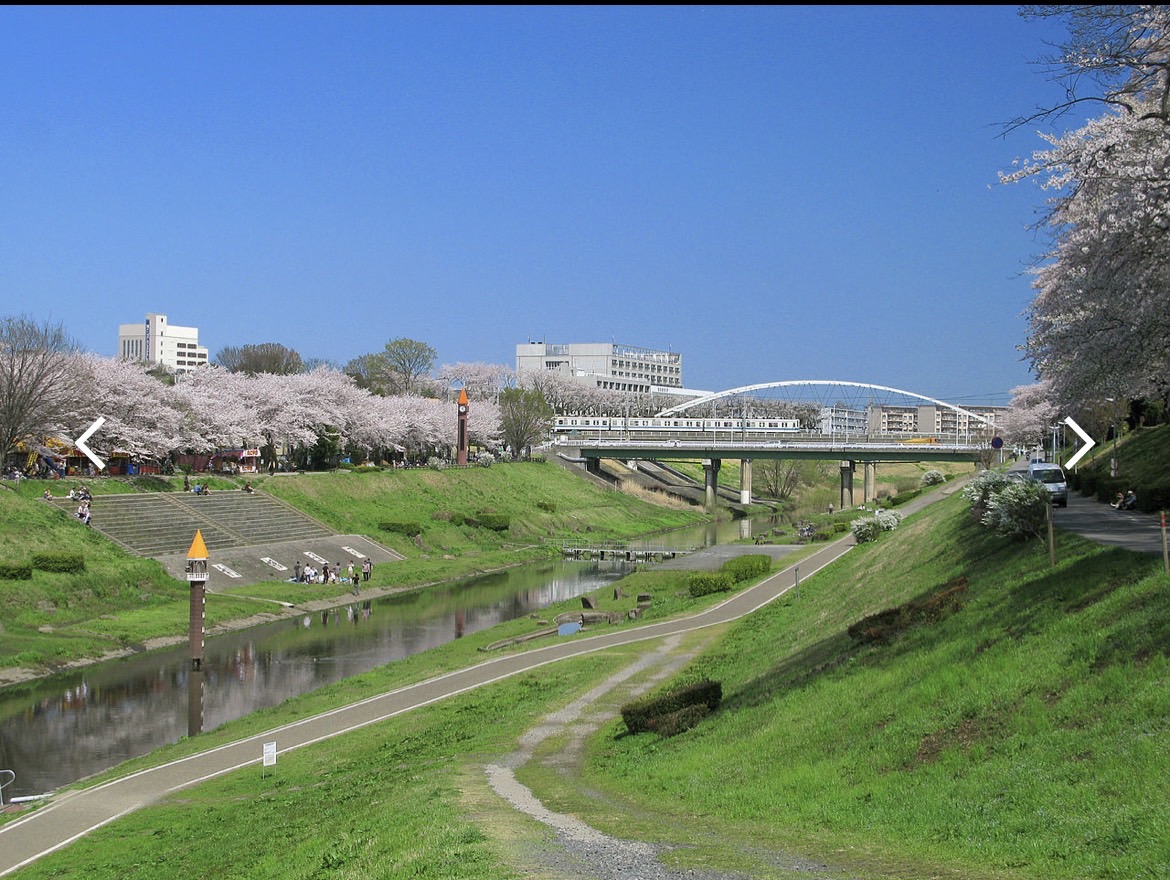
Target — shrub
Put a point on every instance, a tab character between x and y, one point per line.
1017	510
64	563
15	571
979	490
703	583
546	506
746	568
409	529
497	522
679	721
485	459
867	528
367	469
933	478
641	715
436	464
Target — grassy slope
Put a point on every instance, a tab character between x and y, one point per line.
1028	733
122	600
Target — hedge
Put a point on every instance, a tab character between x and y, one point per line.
65	563
642	715
703	583
15	571
746	568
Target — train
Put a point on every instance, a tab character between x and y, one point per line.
620	425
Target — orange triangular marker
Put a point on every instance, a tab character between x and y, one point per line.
463	397
198	548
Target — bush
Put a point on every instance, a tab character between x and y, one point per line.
546	506
15	571
410	529
867	528
497	522
367	469
979	491
746	568
678	722
1018	510
933	478
485	459
64	563
641	715
437	464
703	583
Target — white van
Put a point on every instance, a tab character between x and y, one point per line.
1053	478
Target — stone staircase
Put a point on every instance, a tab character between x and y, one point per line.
163	523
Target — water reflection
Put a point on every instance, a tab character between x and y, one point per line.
58	730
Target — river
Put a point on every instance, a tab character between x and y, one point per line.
58	730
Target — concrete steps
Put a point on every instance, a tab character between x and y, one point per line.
159	524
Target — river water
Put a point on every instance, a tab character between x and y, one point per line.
58	730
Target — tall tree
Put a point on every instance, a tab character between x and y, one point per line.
265	357
407	361
525	417
36	389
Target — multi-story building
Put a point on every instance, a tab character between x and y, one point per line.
933	419
157	343
606	364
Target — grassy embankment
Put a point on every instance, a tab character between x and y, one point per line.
1022	733
121	602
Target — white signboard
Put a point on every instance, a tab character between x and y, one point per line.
316	558
219	566
268	560
356	553
270	754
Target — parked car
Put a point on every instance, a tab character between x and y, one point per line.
1054	480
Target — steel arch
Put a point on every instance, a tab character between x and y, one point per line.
745	389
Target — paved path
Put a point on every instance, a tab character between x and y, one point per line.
1099	522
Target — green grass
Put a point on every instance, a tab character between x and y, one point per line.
1028	733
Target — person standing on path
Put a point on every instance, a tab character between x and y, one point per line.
367	566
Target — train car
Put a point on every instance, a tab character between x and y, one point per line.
649	425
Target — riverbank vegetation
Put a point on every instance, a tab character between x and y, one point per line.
1020	732
121	602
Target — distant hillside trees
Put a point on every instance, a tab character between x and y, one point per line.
267	357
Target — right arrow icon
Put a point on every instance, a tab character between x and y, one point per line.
1089	443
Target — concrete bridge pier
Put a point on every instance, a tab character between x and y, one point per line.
745	481
711	480
847	484
870	482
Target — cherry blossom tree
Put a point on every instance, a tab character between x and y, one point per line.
140	412
36	392
1030	414
1099	324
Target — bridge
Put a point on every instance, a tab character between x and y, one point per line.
850	422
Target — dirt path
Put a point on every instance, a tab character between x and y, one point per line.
581	852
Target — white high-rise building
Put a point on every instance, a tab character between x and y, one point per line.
157	343
626	368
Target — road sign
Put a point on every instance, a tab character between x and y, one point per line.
997	443
1089	443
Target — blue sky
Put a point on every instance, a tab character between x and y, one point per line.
775	192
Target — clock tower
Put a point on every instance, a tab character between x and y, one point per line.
461	437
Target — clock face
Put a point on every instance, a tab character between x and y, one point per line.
462	409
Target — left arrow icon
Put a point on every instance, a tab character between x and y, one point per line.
89	453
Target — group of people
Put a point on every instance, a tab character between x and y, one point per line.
198	488
310	574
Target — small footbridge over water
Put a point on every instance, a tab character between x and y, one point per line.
849	422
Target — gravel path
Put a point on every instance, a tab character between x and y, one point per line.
581	852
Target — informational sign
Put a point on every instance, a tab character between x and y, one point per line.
219	566
269	561
316	558
355	553
270	754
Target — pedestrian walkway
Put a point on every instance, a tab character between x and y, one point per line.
1099	522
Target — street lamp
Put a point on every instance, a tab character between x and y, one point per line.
1113	461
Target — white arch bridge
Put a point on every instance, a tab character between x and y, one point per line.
852	422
